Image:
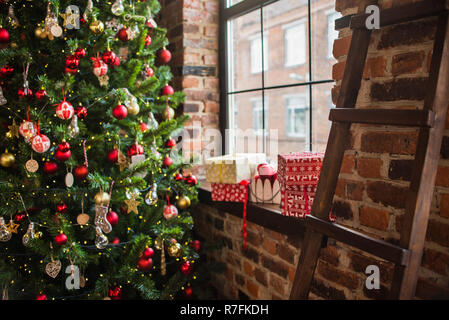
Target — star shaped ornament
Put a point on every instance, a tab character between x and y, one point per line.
13	130
70	17
132	204
104	80
12	226
122	161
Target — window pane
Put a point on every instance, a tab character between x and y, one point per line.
246	118
286	27
288	114
322	103
230	3
245	52
323	36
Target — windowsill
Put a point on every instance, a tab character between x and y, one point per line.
266	215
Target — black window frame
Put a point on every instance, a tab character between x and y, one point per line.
235	11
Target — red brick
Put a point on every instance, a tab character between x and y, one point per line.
253	289
287	254
229	274
248	268
325	291
211	107
261	276
444	206
407	34
341	46
374	218
211	31
348	164
350	189
211	83
210	59
387	194
341	5
291	273
270	246
428	290
254	237
342	210
338	70
369	167
194	4
399	89
344	278
277	284
389	142
190	82
330	254
442	176
438	232
409	62
375	67
436	261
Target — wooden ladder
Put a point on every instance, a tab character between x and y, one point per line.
431	123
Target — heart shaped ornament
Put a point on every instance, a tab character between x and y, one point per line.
53	268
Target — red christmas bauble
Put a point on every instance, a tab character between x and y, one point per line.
64	146
61	208
81	172
196	245
149	24
120	112
123	34
61	239
149	71
115	293
148	253
168	161
109	57
191	180
80	53
164	56
186	268
112	217
148	40
65	110
21	93
62	156
50	167
170	212
6	71
4	35
40	143
71	71
143	127
72	62
41	297
145	264
41	94
113	156
81	112
170	143
135	149
179	177
115	241
116	62
188	292
168	90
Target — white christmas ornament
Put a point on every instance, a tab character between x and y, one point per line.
27	129
65	110
40	143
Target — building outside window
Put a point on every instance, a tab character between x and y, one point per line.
278	51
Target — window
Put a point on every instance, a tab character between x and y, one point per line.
256	55
332	34
277	51
295	45
297	122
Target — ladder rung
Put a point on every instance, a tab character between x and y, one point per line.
393	117
402	14
359	240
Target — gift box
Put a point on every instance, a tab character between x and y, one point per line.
231	169
296	203
229	192
300	171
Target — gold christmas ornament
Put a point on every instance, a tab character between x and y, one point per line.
13	130
132	204
53	268
12	226
183	202
96	26
102	198
7	160
174	249
133	109
169	113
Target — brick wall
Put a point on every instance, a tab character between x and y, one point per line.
193	34
371	191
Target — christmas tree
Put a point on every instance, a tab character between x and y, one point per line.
93	200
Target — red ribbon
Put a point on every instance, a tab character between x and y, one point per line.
28	114
245	233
